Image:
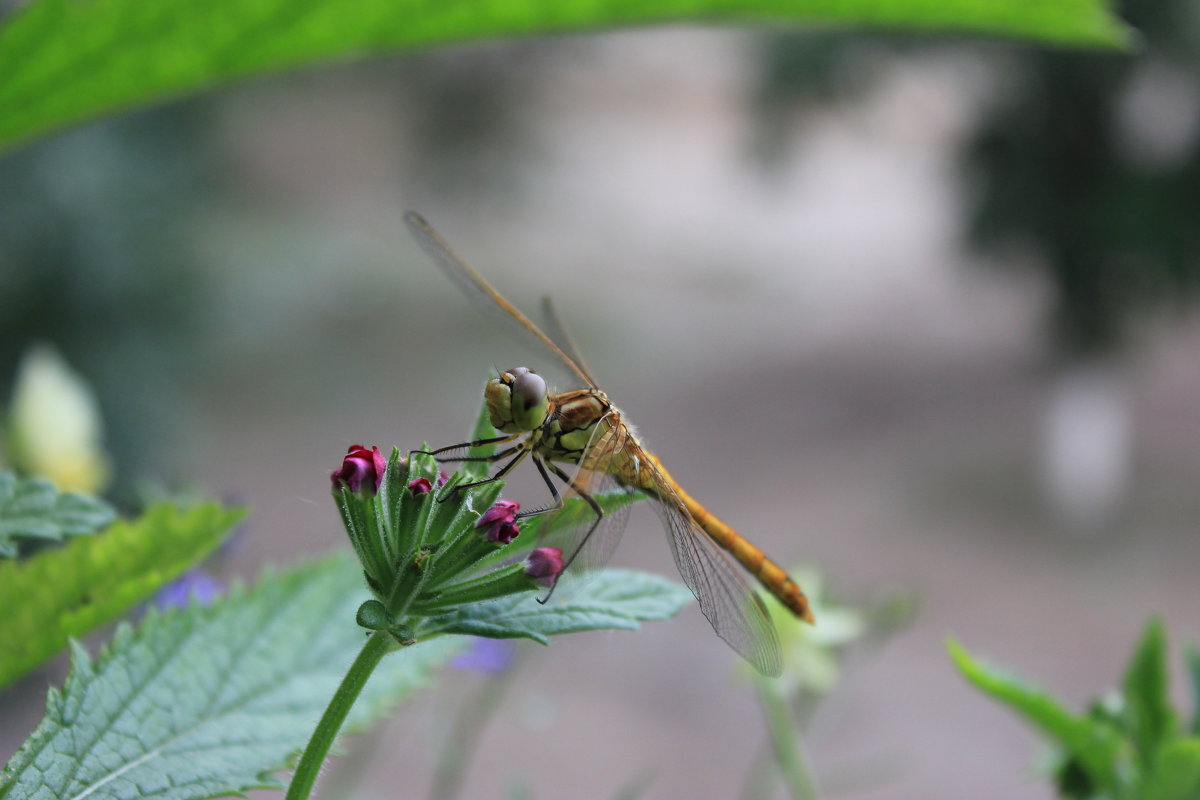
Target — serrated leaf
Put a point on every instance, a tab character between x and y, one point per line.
32	508
611	598
63	61
68	591
1093	743
1175	774
209	701
1147	705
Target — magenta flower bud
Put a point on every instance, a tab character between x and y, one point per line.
499	523
419	486
544	565
442	478
360	467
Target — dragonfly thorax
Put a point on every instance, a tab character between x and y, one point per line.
517	400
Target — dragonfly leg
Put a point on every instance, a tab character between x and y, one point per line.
493	457
464	445
557	499
591	501
500	473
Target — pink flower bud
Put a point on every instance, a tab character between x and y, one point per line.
544	565
499	523
419	486
360	467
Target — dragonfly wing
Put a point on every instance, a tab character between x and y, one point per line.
589	544
483	294
728	602
561	334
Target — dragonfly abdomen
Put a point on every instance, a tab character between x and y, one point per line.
772	576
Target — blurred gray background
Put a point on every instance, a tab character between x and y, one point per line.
767	247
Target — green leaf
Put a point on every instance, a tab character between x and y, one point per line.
1093	743
31	508
475	470
1147	705
1176	772
64	61
68	591
205	702
611	598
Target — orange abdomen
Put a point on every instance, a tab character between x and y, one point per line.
772	576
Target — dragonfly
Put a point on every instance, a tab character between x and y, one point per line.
582	428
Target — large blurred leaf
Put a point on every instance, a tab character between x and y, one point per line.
208	701
92	580
62	61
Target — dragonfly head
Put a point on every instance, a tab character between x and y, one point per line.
517	400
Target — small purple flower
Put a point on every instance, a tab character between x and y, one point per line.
192	586
420	486
499	523
360	467
488	656
544	565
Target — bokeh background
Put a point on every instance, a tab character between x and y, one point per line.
913	312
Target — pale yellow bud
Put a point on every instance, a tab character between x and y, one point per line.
54	424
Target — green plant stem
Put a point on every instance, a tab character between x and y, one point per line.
378	645
789	752
468	729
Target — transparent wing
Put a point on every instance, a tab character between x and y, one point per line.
614	458
587	543
561	334
482	293
729	603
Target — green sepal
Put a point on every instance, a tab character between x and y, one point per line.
489	586
373	616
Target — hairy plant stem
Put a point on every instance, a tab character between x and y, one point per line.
377	646
786	745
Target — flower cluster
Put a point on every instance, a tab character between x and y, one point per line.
425	547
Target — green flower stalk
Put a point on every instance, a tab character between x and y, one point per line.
427	551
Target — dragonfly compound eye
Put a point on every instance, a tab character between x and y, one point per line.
529	387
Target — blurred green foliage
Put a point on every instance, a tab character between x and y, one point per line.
1130	745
